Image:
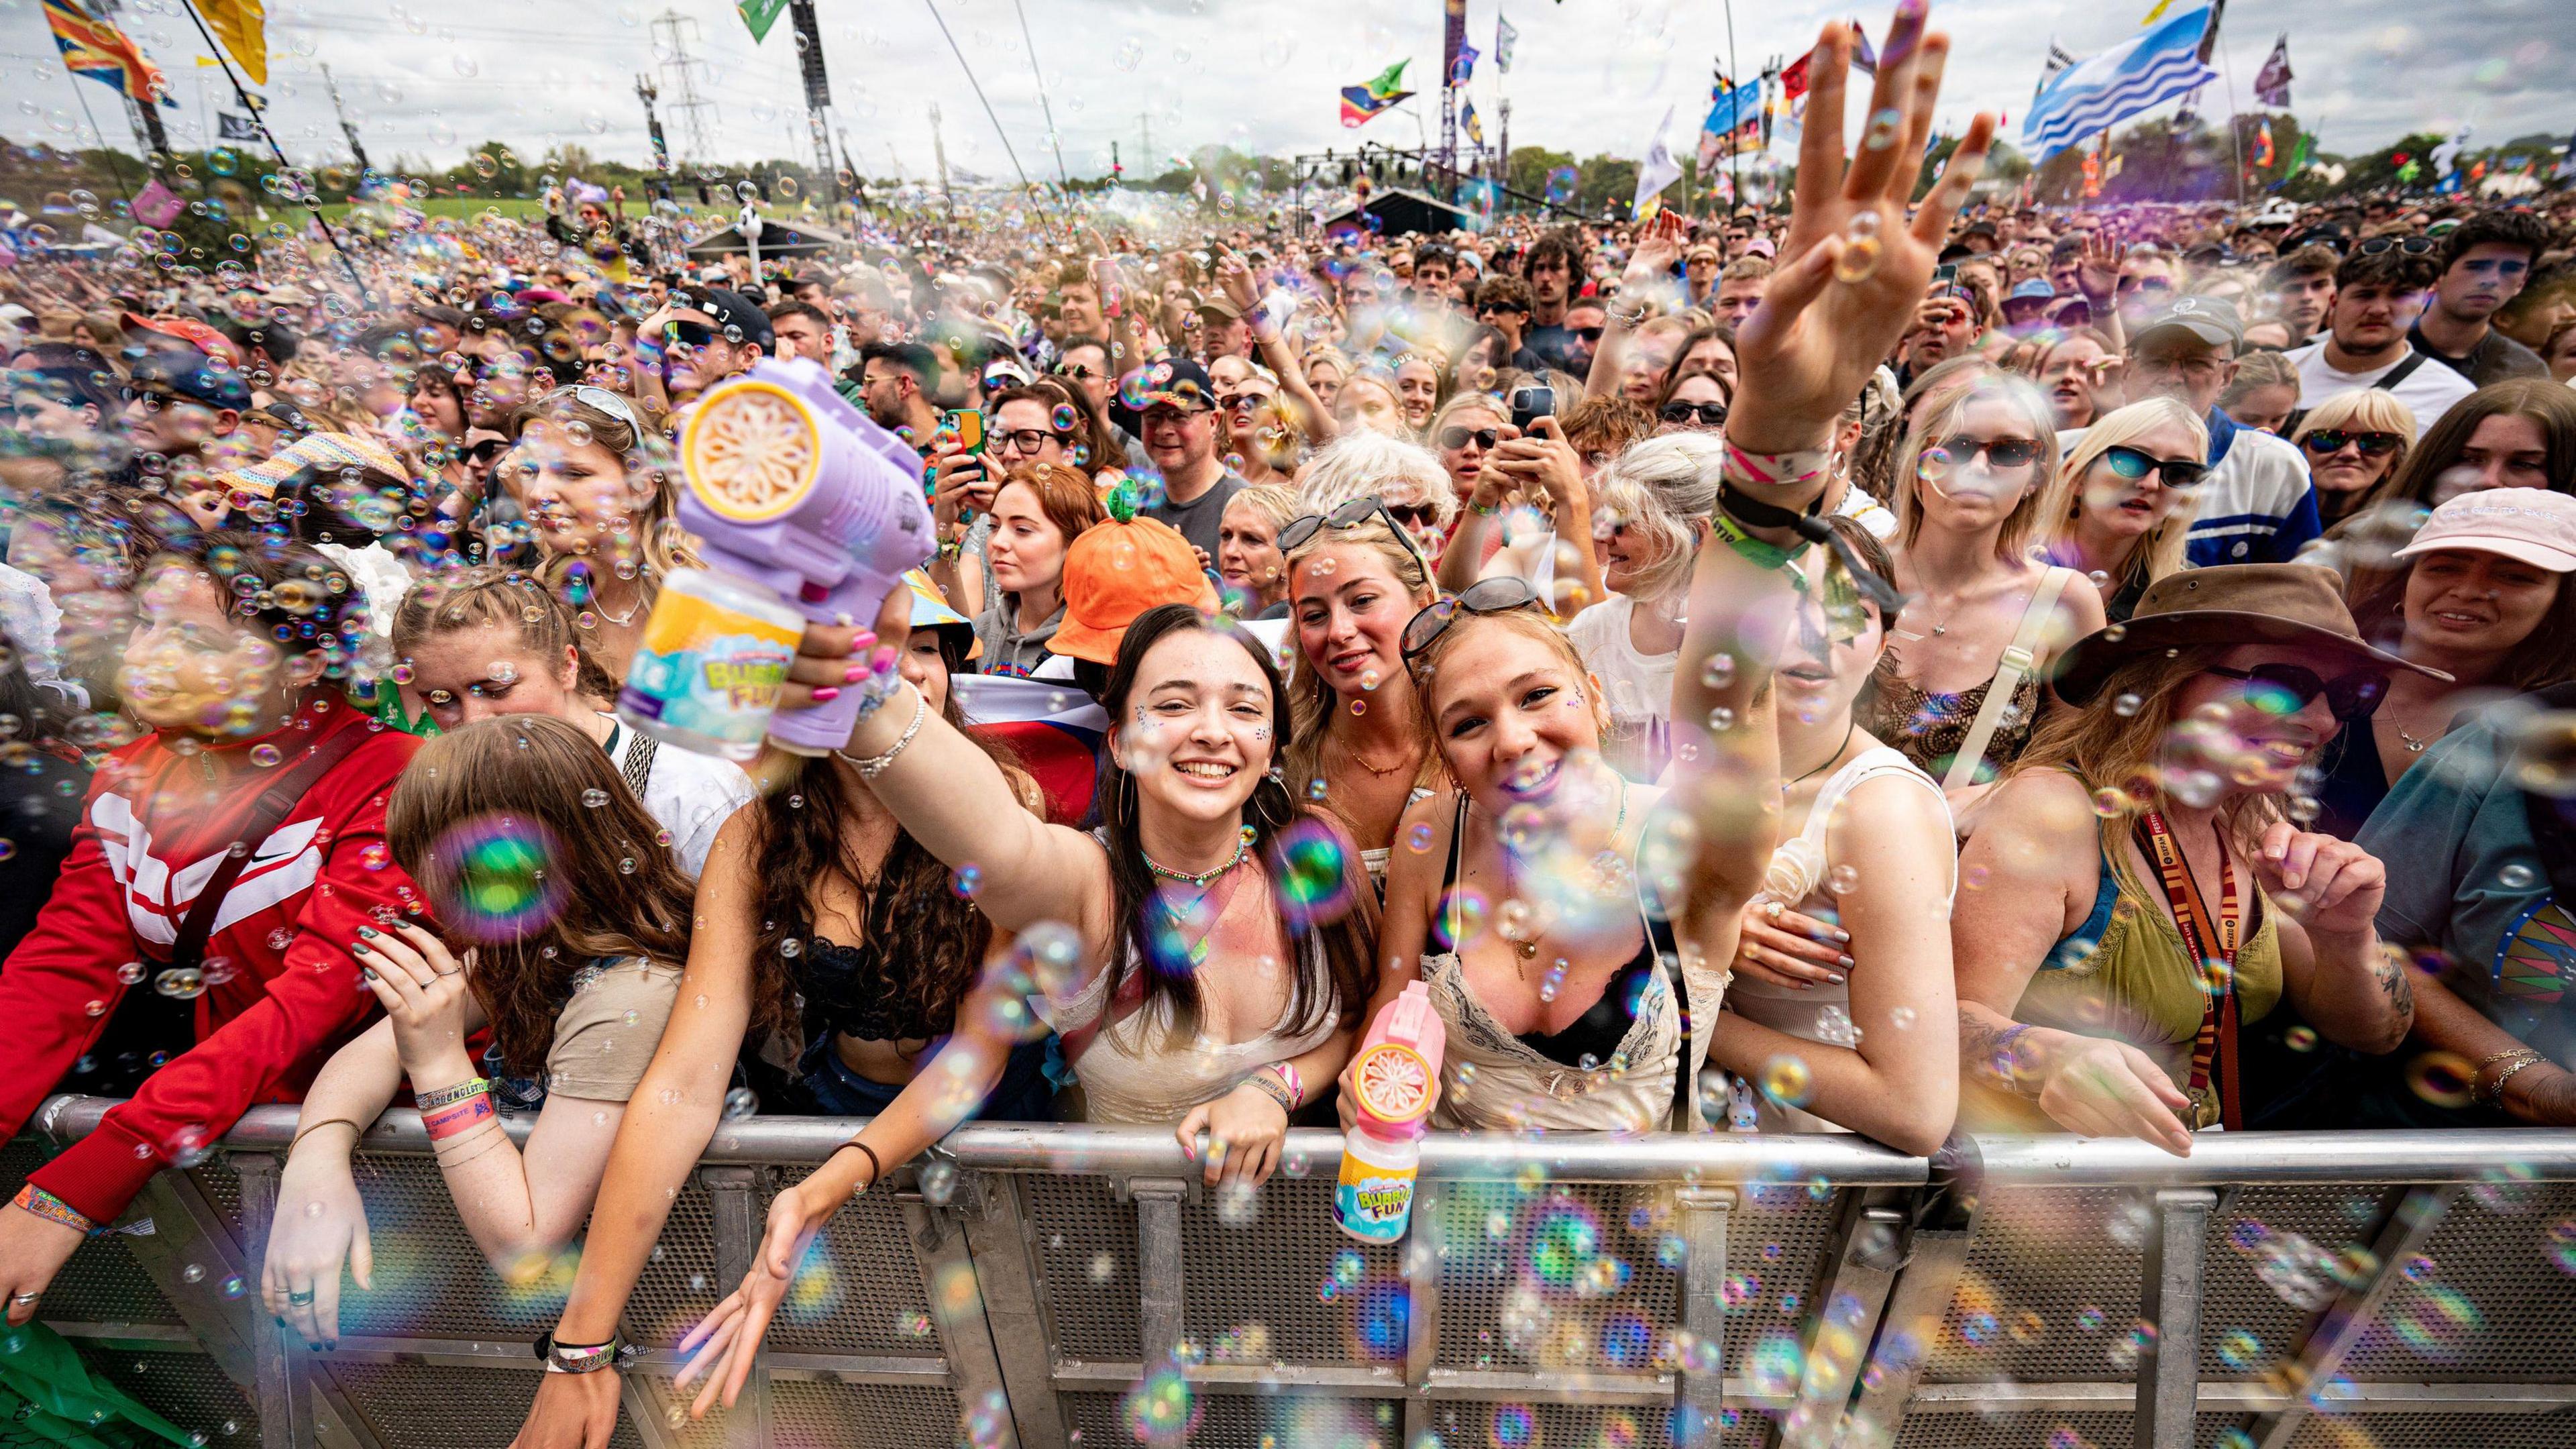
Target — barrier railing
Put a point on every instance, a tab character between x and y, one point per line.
1054	1286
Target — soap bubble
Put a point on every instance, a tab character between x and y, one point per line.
489	878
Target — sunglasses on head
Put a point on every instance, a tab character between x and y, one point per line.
1962	449
1707	415
1401	518
1454	438
1498	595
2413	246
2285	689
600	398
2325	442
2133	464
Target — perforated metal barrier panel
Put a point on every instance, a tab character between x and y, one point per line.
1058	1286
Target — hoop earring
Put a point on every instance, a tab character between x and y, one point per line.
1287	813
1122	804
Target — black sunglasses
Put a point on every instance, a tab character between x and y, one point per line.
1353	514
2133	464
2413	246
1708	415
1499	595
2350	696
1588	334
2325	442
1488	309
688	334
1454	438
1961	449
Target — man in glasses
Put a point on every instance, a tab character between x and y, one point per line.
2485	262
2255	504
706	335
2378	296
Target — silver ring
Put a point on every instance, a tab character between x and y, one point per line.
459	971
23	1299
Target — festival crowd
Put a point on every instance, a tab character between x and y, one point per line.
1882	664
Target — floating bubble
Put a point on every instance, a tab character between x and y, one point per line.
488	878
966	880
2445	1079
1861	249
739	1103
594	798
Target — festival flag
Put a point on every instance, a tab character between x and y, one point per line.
229	127
2058	59
2101	91
2302	152
2263	146
1464	66
93	47
759	15
1363	103
156	204
1472	124
1793	81
2272	85
1504	35
1734	123
1051	724
241	28
1864	59
1657	171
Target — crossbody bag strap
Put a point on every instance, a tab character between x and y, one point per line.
188	949
2401	372
2021	656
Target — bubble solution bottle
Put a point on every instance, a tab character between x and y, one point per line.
1396	1082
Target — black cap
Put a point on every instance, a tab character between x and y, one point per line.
1178	382
732	310
186	372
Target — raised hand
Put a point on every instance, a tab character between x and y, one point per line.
1852	266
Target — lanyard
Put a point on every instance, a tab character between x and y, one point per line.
2216	957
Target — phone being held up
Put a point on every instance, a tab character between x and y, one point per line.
1530	404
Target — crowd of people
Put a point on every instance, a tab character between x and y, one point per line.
1862	665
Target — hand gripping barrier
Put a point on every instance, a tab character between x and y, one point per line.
1048	1286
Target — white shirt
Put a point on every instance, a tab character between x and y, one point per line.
2428	391
690	794
1637	687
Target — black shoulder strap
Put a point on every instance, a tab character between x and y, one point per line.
289	786
2401	371
639	763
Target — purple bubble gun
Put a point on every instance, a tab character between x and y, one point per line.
793	490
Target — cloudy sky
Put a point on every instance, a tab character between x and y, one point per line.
429	79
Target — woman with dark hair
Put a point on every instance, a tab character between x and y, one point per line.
1709	349
574	989
1204	953
2481	595
1481	361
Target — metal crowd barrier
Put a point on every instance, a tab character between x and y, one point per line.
1571	1291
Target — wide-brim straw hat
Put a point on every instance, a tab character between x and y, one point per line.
2291	604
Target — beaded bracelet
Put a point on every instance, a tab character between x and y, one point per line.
52	1209
437	1097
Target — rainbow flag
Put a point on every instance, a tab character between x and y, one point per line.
94	48
1362	103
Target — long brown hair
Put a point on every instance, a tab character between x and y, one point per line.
528	782
2550	405
1311	701
935	939
1348	974
2546	655
2109	749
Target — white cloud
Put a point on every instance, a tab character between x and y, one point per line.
423	79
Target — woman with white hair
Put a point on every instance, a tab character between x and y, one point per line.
1653	509
2124	500
1364	463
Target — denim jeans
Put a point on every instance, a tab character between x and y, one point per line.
1023	1094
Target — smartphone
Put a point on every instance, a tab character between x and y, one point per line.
1530	404
1946	272
968	425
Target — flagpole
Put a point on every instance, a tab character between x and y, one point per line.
312	202
2235	142
101	137
1734	165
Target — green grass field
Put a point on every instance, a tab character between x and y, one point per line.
460	206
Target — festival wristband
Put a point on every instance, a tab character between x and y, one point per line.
437	1097
1774	470
52	1209
463	1117
1271	1087
565	1358
1755	551
1295	1083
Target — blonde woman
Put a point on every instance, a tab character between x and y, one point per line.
1957	691
1653	509
1465	433
2122	507
1397	473
1355	576
1368	399
2354	442
1247	550
607	532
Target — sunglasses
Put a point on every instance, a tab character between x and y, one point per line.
2285	689
1707	415
1454	438
2413	246
1498	595
600	398
1961	449
1488	309
2325	442
1588	334
1243	401
688	334
1078	372
1402	518
2132	464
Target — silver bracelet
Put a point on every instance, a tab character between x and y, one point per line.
875	765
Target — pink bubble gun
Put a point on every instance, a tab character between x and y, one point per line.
1395	1082
795	492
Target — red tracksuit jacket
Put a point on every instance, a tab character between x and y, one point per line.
154	828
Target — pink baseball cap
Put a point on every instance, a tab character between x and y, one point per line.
2531	524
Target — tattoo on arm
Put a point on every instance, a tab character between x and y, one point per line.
2389	970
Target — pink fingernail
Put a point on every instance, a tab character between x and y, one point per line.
855	673
826	695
